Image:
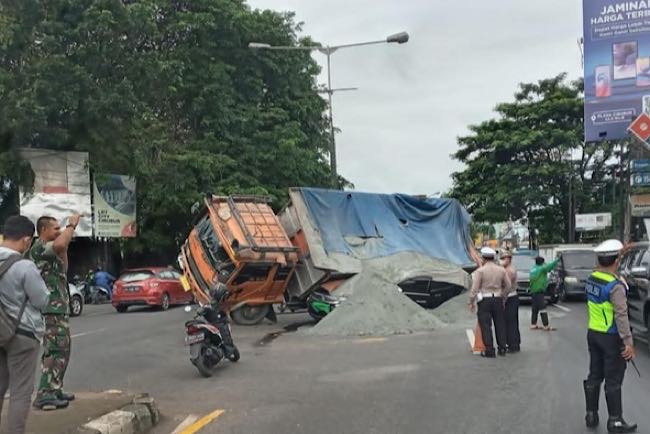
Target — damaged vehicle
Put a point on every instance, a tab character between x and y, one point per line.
322	238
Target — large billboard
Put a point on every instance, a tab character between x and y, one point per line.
114	200
617	66
61	187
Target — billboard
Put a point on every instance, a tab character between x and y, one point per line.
61	187
616	66
640	205
593	222
114	201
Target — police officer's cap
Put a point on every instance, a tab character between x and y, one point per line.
609	248
487	252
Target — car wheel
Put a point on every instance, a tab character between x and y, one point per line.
120	308
647	333
164	304
76	305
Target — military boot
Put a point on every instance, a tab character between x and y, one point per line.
592	395
616	423
50	403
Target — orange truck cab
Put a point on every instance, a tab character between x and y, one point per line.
241	238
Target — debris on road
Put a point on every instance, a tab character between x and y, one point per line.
374	307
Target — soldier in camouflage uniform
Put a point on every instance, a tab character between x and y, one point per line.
50	253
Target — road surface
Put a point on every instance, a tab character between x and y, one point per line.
291	383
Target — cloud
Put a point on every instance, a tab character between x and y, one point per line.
399	129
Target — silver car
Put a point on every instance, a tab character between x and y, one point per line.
76	300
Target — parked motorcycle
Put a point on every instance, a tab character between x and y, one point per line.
209	336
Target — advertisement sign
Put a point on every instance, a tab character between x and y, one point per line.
114	202
640	205
61	187
616	66
638	166
593	222
640	179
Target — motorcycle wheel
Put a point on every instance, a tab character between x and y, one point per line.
235	355
204	365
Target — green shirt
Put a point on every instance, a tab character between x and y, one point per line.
539	276
53	273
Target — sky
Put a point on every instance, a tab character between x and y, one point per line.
399	129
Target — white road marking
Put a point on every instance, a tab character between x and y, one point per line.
92	332
564	308
189	420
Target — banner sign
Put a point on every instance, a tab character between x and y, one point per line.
114	201
616	66
61	187
640	179
640	205
638	166
593	222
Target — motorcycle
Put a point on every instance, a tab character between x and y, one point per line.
209	336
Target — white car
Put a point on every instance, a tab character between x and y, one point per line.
76	300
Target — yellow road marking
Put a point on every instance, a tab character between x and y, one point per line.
201	423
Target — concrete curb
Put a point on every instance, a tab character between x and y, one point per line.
138	417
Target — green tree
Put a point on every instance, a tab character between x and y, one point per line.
166	91
531	162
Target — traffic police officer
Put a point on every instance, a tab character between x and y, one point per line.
609	338
511	305
490	282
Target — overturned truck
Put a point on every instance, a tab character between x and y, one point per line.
322	238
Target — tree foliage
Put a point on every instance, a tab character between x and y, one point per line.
531	162
166	91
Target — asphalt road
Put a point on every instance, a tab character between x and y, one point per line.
291	383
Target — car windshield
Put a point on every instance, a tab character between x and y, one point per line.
523	262
579	260
135	276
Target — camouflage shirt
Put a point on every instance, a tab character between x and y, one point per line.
54	275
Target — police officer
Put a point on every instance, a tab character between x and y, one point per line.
50	254
511	305
609	338
489	283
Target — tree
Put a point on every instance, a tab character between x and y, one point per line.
531	162
166	91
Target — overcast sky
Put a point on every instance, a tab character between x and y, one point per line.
400	127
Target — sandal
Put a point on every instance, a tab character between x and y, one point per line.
549	329
535	327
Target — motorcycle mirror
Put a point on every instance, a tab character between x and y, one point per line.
188	309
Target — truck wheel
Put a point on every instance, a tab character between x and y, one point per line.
249	314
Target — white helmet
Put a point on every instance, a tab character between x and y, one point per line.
609	248
487	252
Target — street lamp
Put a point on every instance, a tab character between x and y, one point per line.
397	38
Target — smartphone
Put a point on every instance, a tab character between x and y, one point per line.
603	74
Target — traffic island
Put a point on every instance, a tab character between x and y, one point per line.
97	413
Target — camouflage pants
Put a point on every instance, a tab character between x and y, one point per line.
56	355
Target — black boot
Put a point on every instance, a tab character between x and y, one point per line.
592	394
615	423
490	354
502	351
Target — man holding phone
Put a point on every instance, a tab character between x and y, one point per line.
609	339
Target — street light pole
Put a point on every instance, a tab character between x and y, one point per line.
399	38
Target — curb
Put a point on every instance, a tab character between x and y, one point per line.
138	417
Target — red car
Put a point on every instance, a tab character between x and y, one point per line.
152	286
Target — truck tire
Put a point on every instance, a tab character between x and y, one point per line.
250	314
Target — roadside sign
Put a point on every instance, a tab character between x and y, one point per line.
640	166
640	205
640	179
593	222
640	127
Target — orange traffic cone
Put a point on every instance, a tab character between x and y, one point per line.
479	346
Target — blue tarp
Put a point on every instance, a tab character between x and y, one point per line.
389	224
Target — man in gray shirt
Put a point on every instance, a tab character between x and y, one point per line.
22	282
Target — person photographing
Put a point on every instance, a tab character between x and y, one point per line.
609	339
